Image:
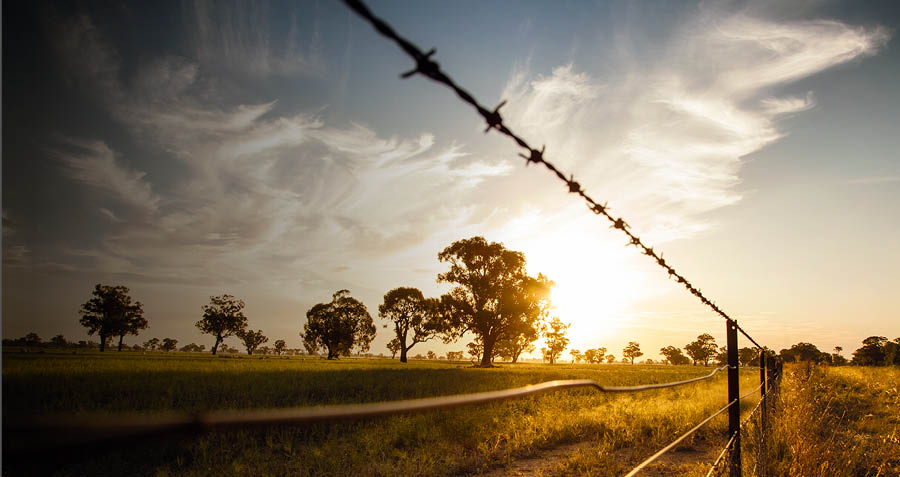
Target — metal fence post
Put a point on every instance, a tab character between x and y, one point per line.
734	410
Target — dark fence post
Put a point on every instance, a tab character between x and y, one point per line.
734	410
763	432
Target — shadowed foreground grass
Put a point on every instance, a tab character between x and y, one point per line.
459	441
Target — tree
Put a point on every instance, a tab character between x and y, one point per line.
454	355
151	344
59	341
703	349
804	352
576	355
223	317
338	326
192	348
610	359
251	339
394	347
836	358
168	344
632	350
475	350
431	355
555	339
410	312
263	350
674	355
872	353
722	356
493	298
748	356
110	312
278	347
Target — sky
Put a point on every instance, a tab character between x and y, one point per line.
270	150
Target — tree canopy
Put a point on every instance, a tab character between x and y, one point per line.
251	339
222	317
415	318
674	355
494	298
703	349
555	339
338	326
110	312
632	350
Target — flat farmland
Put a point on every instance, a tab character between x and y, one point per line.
605	434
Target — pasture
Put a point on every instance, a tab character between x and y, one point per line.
621	429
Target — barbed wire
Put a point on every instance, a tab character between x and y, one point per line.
63	431
429	68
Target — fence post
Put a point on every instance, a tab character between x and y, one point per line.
763	433
734	410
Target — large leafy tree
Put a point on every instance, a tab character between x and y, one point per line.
252	339
110	312
222	317
872	352
414	317
674	355
632	350
279	347
338	326
555	339
493	298
703	349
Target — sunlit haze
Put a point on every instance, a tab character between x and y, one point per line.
271	152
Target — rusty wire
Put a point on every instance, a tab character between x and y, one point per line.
426	66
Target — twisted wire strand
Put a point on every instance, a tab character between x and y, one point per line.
426	66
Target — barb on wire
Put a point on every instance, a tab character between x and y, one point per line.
427	67
88	429
674	443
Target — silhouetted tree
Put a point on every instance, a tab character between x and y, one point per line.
804	352
31	339
415	317
152	344
748	356
394	347
610	359
338	326
555	339
168	344
872	353
278	347
493	298
674	355
454	355
223	317
251	339
431	355
632	350
110	312
192	348
59	341
703	349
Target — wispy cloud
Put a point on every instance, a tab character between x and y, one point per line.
265	197
93	163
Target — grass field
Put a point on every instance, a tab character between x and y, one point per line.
623	428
